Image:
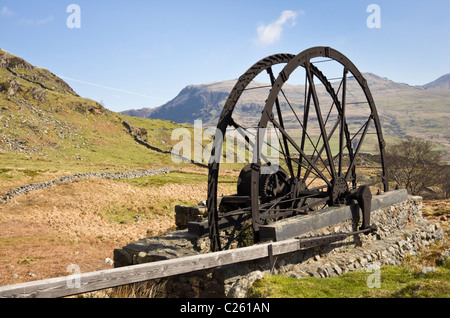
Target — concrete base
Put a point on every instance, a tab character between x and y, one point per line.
298	225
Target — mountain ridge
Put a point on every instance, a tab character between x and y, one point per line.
442	82
224	88
40	113
20	68
404	110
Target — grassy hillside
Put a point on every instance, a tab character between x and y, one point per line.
46	129
398	282
413	111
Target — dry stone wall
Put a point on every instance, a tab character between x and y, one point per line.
402	231
67	179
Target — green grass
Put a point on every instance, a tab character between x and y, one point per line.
171	178
121	213
395	282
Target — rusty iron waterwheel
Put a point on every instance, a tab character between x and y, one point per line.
329	143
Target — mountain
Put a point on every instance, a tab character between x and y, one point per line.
442	82
206	101
404	110
193	102
46	125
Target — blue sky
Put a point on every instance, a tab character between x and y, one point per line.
136	53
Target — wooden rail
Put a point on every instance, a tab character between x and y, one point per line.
88	282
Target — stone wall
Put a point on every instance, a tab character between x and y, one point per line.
67	179
402	231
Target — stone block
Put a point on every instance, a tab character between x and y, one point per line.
186	214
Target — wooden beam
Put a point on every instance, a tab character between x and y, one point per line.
88	282
201	228
298	225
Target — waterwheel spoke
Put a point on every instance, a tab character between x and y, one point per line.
280	118
306	105
319	154
358	148
342	119
304	131
320	120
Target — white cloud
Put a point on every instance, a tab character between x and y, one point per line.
26	21
6	12
271	33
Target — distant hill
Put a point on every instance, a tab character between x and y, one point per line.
193	102
442	82
405	110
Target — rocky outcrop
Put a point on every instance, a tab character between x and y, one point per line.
140	136
19	68
137	133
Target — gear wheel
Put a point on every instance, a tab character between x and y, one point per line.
272	186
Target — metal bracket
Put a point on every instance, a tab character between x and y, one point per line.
364	198
313	241
272	260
